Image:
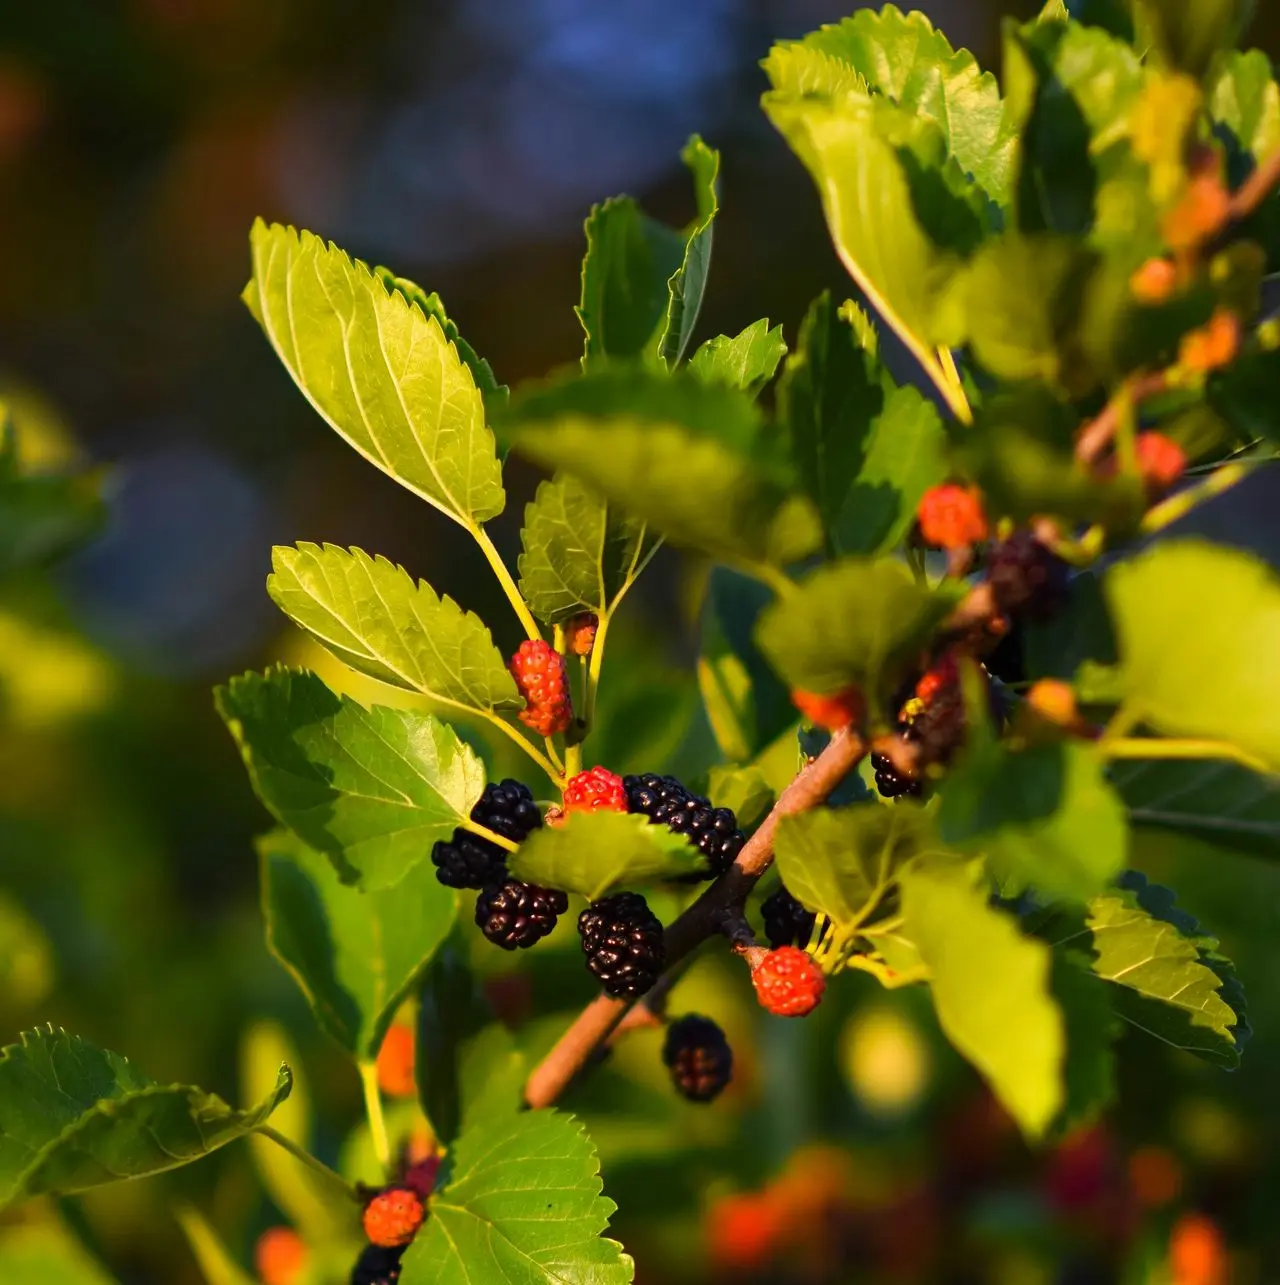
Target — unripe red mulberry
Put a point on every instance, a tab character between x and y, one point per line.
393	1216
596	790
539	671
951	517
788	983
842	709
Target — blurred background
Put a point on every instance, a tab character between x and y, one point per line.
462	144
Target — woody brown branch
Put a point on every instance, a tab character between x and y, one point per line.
700	921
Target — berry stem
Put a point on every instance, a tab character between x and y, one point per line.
553	769
509	586
1177	506
954	392
593	672
303	1156
700	921
1140	747
1096	436
373	1109
573	760
493	836
553	755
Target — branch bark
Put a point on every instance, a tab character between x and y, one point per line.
702	919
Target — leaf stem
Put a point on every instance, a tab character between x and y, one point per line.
554	755
952	387
509	586
770	576
373	1109
1139	747
491	835
1176	506
594	668
553	770
303	1156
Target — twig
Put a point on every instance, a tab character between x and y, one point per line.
1249	196
1096	436
701	920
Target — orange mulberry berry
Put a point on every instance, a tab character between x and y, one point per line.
788	983
1203	208
744	1231
580	633
279	1256
1161	461
393	1216
951	516
1154	282
831	712
1213	345
1155	1175
539	671
395	1063
1197	1252
1054	701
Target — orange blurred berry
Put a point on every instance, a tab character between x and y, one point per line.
393	1216
744	1231
944	674
1198	215
1154	282
1213	345
279	1256
395	1063
1161	461
831	712
580	633
1055	701
1197	1252
951	516
1155	1174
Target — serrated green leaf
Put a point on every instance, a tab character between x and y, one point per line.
380	372
354	955
745	703
906	58
1211	799
592	853
839	862
1089	1071
629	260
1166	974
688	284
523	1205
579	552
691	459
47	1254
991	989
1187	600
846	141
853	622
372	789
747	361
76	1117
494	393
1045	817
374	617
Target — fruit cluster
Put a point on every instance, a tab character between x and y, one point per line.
392	1216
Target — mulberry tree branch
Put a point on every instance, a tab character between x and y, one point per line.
700	921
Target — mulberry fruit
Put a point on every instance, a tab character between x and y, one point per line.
714	831
622	940
786	921
698	1057
468	861
1027	579
830	712
392	1218
951	517
580	633
377	1265
514	915
597	790
539	671
788	983
891	783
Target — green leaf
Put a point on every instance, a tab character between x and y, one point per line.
354	955
689	458
431	305
1169	979
1212	799
380	372
374	617
991	989
851	623
1089	1071
746	362
580	553
1189	35
629	260
46	1254
1185	602
745	791
908	60
849	143
1244	99
839	862
1044	817
688	283
372	789
745	703
523	1203
76	1117
866	449
593	853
